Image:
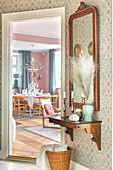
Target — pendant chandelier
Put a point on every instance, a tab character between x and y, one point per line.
33	66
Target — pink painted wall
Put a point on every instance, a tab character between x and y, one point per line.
44	60
58	92
44	82
14	51
37	39
59	49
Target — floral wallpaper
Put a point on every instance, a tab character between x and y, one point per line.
85	151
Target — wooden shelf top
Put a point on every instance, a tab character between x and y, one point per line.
66	120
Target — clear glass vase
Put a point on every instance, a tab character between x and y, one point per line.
88	111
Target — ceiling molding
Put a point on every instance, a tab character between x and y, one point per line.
36	39
50	36
38	47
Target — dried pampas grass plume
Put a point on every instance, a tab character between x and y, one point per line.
82	74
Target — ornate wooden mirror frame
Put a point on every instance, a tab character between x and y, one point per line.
82	11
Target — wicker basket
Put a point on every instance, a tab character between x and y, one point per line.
59	160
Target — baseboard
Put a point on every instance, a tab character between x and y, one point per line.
21	159
76	166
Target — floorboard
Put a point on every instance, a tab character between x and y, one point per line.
28	144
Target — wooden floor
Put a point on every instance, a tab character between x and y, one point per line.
28	144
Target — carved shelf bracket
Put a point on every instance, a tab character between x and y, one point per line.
96	132
69	131
92	127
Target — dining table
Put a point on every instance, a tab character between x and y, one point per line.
30	100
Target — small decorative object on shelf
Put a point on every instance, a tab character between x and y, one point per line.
88	111
79	113
83	100
74	117
64	105
72	95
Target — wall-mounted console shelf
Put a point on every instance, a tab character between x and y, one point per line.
93	127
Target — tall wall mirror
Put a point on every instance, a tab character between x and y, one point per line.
84	53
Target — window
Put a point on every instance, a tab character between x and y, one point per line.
15	63
58	68
15	67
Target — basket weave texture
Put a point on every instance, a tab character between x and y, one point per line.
59	160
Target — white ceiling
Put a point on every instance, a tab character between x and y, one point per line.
22	45
45	27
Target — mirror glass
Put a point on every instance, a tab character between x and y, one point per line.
82	50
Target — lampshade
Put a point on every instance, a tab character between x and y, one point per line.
15	75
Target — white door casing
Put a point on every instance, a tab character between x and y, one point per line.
7	75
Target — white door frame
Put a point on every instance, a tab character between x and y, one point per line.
6	69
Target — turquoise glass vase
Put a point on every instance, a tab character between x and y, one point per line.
88	111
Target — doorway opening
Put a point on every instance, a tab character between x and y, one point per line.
36	90
36	79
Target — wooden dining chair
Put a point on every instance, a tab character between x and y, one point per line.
45	116
37	105
19	104
54	99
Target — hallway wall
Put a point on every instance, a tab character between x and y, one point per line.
85	151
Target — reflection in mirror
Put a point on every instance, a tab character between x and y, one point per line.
83	35
90	48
